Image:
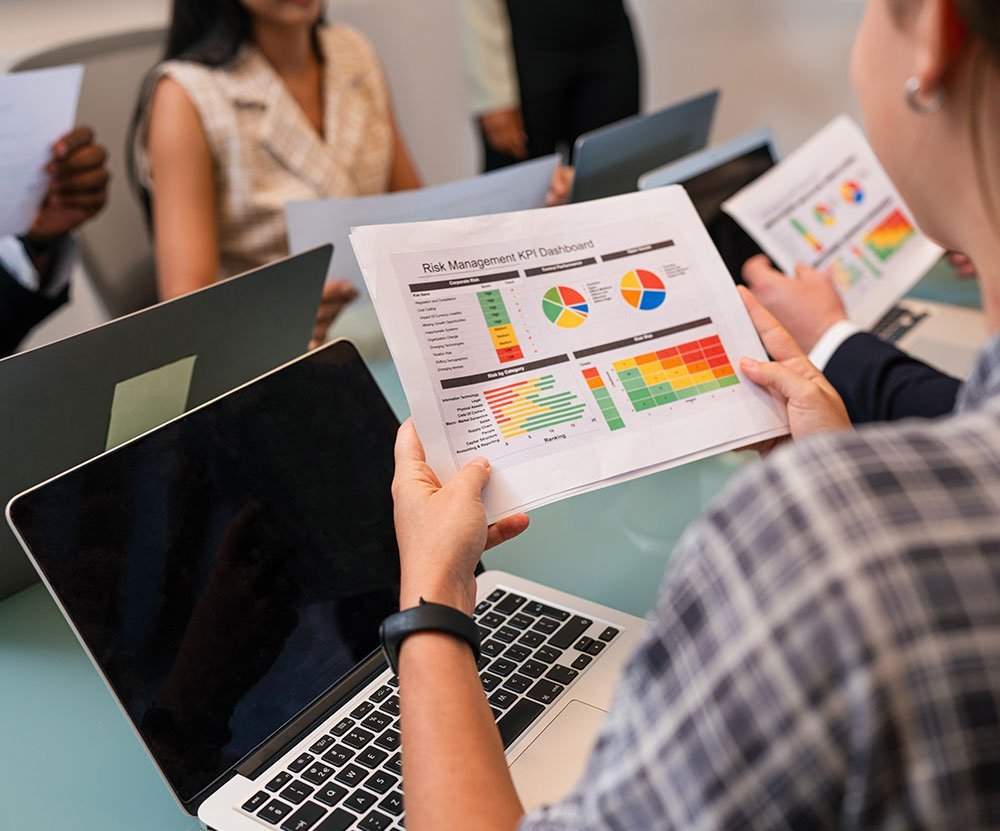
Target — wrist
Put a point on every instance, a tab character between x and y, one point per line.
443	592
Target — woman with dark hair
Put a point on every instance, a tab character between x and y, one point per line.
258	102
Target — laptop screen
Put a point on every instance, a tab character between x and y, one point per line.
708	190
228	569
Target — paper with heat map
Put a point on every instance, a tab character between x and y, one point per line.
573	347
830	205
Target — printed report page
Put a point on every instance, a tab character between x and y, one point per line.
571	346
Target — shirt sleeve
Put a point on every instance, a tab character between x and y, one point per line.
488	56
831	340
15	260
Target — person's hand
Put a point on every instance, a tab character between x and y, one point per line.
336	295
560	186
806	306
962	265
504	131
442	531
78	186
814	406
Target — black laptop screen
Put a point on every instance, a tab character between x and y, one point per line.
230	568
710	189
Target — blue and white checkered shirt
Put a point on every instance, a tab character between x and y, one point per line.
826	652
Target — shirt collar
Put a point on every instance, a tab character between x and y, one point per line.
984	382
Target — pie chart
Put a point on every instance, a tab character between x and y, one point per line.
643	289
565	307
852	193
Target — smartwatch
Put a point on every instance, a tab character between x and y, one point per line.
426	617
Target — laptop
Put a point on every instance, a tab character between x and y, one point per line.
66	402
609	161
227	573
946	337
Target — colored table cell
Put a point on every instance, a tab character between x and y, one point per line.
622	366
648	358
591	372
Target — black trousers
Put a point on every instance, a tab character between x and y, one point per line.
578	69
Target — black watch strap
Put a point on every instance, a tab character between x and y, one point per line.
426	617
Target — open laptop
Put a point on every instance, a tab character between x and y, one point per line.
68	401
227	573
609	161
947	337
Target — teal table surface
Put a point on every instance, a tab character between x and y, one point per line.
69	758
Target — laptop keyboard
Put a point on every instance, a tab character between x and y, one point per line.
897	322
351	776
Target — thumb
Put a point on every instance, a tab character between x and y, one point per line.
777	378
475	475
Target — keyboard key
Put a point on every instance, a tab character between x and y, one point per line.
391	706
490	682
517	719
375	821
517	683
274	812
535	609
381	782
608	634
338	755
389	740
317	773
545	692
301	763
342	726
491	648
484	633
545	625
596	647
377	722
502	699
279	781
502	667
583	644
532	639
322	743
547	655
496	713
482	663
496	595
381	694
561	675
532	669
570	632
363	709
396	763
392	804
491	620
517	653
482	608
520	621
510	604
394	681
304	818
358	738
337	821
296	792
360	801
506	634
331	793
352	775
580	662
255	801
371	757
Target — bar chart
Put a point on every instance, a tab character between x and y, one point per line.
526	406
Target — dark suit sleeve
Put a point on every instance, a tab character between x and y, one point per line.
21	310
880	383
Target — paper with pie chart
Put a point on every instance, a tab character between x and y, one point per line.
573	346
830	205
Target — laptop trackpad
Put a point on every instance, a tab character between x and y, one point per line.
550	766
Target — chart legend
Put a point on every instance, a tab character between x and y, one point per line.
657	378
604	399
501	330
643	290
890	235
565	307
526	406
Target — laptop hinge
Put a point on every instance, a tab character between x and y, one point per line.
294	731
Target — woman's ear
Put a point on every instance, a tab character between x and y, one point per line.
940	34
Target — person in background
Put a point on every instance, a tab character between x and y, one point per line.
34	268
540	74
258	102
826	649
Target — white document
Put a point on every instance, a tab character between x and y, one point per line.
574	347
319	221
36	109
830	205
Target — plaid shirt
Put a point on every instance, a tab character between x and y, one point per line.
826	652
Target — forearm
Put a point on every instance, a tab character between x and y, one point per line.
454	768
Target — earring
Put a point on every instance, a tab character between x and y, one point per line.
913	90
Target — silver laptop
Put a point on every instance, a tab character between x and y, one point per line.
947	337
68	401
609	161
227	573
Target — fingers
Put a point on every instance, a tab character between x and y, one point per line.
506	529
475	475
89	157
89	181
759	274
779	344
780	379
78	137
409	449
